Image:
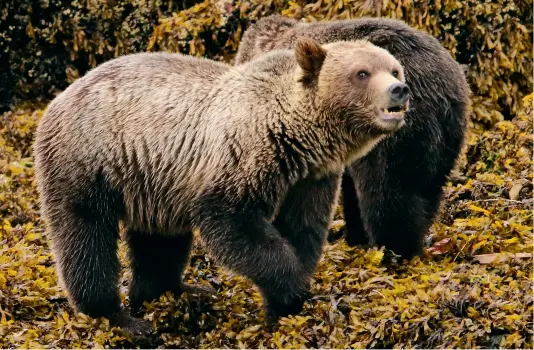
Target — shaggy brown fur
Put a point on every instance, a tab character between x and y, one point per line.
164	142
392	195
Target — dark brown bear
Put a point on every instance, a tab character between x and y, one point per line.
392	195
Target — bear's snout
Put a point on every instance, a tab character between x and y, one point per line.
399	93
398	104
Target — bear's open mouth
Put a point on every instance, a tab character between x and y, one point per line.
395	111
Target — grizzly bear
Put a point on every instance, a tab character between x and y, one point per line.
252	156
392	195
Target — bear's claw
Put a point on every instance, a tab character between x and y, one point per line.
275	309
131	326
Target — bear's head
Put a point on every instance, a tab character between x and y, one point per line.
357	81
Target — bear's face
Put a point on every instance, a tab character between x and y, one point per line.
363	82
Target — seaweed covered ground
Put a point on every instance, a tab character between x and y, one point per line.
473	287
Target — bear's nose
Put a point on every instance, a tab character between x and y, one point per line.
399	92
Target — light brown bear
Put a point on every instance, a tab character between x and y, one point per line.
164	142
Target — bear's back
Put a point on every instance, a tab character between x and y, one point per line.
134	94
135	81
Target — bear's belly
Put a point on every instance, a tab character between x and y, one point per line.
160	220
165	212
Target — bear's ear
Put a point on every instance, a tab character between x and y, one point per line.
310	57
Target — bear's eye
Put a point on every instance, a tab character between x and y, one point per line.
363	74
395	73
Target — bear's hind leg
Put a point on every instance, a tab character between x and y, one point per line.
83	225
158	262
400	218
86	254
86	246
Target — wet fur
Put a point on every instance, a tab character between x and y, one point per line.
392	195
252	156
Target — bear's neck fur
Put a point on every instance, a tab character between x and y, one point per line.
309	134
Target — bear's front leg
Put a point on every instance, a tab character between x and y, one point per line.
305	215
240	238
354	229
